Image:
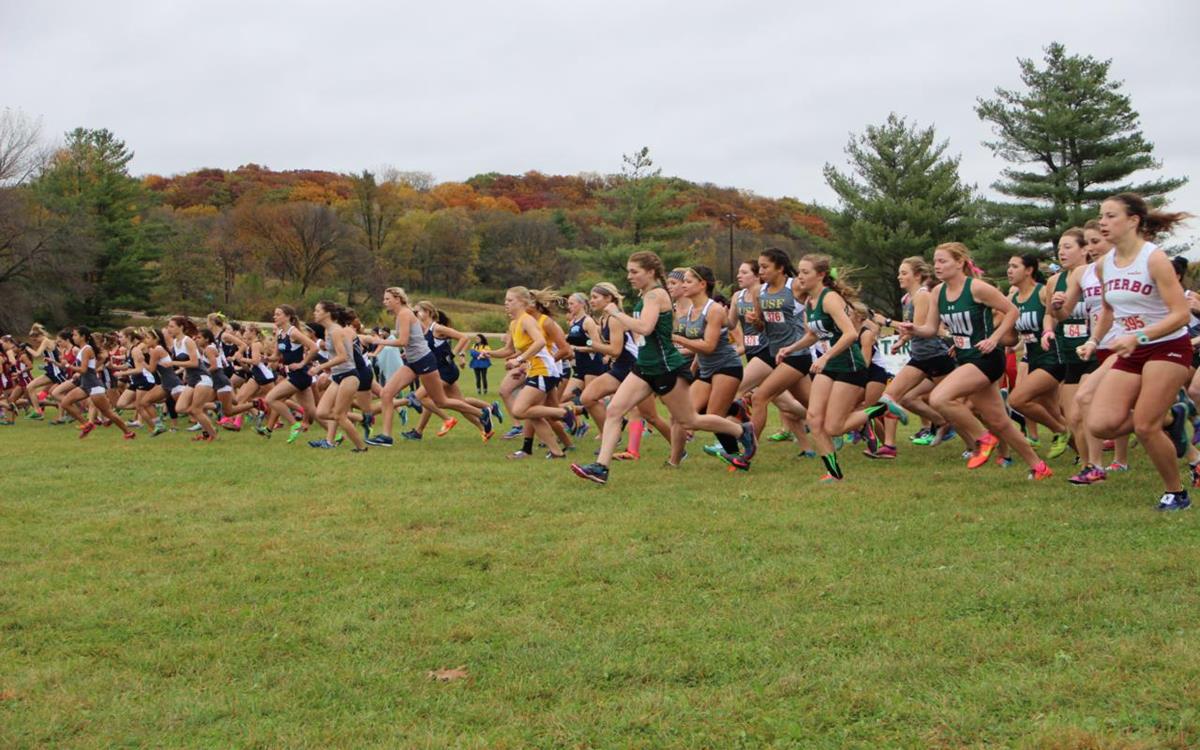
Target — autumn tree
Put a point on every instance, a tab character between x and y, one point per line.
302	238
190	275
902	196
521	249
1072	138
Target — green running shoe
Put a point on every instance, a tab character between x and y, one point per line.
781	437
714	449
1059	444
297	428
926	439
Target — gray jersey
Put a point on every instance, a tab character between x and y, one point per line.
752	338
721	358
920	348
417	347
348	365
783	327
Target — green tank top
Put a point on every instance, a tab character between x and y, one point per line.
1030	315
821	324
657	355
968	321
1073	331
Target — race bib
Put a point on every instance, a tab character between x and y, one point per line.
961	342
1075	330
750	340
1029	338
773	316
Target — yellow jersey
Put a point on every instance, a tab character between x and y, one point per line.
538	365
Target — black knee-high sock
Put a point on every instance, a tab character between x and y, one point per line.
528	446
728	442
171	407
831	463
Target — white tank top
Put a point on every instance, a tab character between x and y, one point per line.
1093	301
1134	297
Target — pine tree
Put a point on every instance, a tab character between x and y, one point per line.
641	211
89	177
902	197
1073	139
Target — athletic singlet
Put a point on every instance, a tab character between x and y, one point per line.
539	364
577	337
779	316
657	355
1031	315
628	354
1193	319
1093	301
921	348
417	347
822	325
289	351
263	368
678	325
1133	296
1072	331
724	356
968	321
441	349
346	366
180	353
752	340
555	364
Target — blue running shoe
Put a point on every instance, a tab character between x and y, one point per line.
597	473
415	403
404	416
1174	501
749	441
381	441
411	435
513	432
322	443
497	413
485	419
569	418
581	430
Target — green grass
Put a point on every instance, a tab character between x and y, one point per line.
255	594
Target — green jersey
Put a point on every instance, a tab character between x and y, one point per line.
1073	331
1030	315
968	321
822	325
657	355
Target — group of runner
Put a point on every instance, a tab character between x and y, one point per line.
1108	344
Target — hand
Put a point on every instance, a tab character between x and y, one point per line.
779	357
1086	350
905	327
818	365
986	346
611	308
1058	299
1124	346
751	316
1048	338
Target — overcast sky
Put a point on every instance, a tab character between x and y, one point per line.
757	95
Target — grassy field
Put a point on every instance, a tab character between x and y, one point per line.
255	594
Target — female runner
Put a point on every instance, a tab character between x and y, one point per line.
91	352
296	352
197	389
334	409
1036	394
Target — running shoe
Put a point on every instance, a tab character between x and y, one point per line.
1004	462
1034	443
1059	444
448	425
597	473
749	441
829	479
920	434
582	429
714	449
202	437
294	432
517	455
569	418
359	450
416	404
1040	472
86	429
889	406
884	451
628	456
33	414
983	450
1089	475
160	428
513	432
942	434
550	455
404	416
322	443
497	413
838	442
927	439
1114	466
1178	429
195	427
807	454
871	438
1174	501
130	435
781	437
411	435
381	441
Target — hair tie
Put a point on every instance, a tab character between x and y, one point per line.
975	270
833	272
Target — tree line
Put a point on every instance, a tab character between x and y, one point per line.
82	239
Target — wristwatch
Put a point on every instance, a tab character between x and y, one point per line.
1142	338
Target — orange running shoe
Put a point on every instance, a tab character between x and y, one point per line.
983	450
1040	472
627	456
